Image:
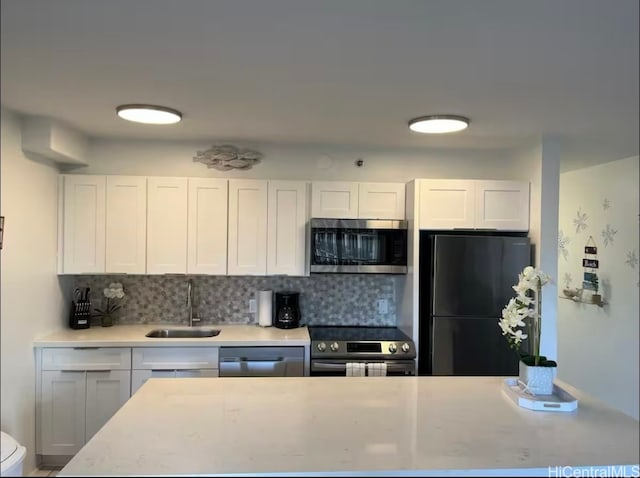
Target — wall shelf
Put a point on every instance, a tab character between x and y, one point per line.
583	301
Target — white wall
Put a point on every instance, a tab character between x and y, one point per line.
539	163
598	347
31	300
295	162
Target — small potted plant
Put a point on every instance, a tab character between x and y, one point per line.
595	298
523	313
112	294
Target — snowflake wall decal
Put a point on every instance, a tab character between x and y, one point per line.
607	234
606	204
580	221
563	241
632	259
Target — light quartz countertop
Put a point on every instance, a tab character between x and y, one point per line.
134	336
377	426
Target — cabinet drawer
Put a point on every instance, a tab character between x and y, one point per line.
175	358
102	358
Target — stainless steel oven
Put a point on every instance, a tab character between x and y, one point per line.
370	350
358	246
338	368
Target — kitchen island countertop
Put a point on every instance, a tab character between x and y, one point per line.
134	336
378	426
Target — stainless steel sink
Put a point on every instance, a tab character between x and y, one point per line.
182	333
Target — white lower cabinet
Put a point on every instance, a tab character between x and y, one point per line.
78	390
172	362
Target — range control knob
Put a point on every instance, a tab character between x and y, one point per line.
335	346
322	346
392	348
406	347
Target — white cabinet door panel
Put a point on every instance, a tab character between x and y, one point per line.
447	204
171	358
196	373
207	243
334	199
139	377
247	227
502	205
287	220
107	391
167	225
381	201
84	224
126	243
62	412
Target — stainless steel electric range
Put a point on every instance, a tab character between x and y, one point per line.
335	350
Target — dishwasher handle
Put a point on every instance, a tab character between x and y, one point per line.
250	360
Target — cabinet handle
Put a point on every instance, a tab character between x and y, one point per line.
100	370
163	369
86	348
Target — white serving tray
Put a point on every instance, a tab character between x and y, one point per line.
559	401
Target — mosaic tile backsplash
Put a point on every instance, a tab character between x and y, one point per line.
327	299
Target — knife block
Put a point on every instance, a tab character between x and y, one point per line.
80	314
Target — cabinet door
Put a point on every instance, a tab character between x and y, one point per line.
166	225
196	373
447	204
247	227
84	224
107	391
62	408
502	205
139	377
126	224
333	199
286	226
207	236
381	201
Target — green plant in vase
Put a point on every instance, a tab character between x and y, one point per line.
113	294
523	314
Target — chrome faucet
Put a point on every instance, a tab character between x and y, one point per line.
192	319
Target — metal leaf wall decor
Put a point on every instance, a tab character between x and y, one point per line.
228	157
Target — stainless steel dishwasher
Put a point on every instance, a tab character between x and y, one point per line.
261	361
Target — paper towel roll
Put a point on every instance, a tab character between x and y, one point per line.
265	308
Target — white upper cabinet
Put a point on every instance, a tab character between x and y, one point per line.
474	204
247	227
287	218
352	200
447	204
207	229
126	243
333	199
166	225
381	201
83	224
502	205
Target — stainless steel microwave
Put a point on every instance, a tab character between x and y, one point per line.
359	246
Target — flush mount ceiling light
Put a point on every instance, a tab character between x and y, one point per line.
437	124
148	114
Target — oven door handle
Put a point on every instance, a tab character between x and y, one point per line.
392	366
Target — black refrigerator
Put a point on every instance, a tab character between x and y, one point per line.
465	282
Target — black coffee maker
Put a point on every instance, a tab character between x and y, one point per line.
287	310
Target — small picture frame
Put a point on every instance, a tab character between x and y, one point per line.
1	230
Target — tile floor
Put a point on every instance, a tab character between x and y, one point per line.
49	471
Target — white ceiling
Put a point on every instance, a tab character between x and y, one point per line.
340	72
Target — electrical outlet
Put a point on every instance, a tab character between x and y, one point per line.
252	305
383	306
